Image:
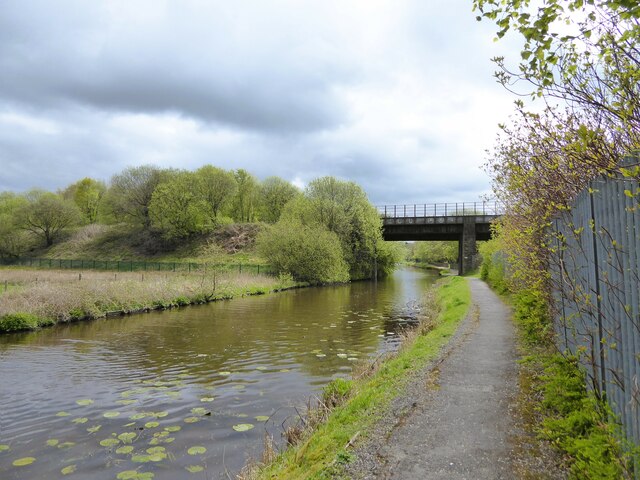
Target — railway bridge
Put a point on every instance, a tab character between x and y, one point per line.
463	222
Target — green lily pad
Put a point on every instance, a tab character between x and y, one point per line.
53	442
243	427
196	450
68	469
22	462
320	355
198	411
191	420
242	415
134	475
66	445
80	420
138	416
109	442
3	447
151	424
261	368
207	399
173	428
160	414
262	418
127	437
194	468
141	458
157	457
224	374
111	414
84	402
94	429
125	402
126	449
342	355
63	414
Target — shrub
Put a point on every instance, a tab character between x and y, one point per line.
310	253
14	322
336	392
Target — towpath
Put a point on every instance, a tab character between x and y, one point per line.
458	423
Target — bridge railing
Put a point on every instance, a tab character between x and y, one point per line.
418	210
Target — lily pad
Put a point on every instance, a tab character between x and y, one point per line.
84	402
151	424
22	462
194	468
198	411
191	420
127	437
63	414
262	418
94	429
135	475
53	442
80	420
125	402
111	414
4	447
160	414
224	374
66	445
68	469
138	416
197	450
141	458
173	428
207	399
243	427
320	355
261	368
242	415
109	442
126	449
342	355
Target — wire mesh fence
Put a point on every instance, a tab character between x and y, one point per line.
135	266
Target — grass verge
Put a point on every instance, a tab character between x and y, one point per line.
48	297
352	406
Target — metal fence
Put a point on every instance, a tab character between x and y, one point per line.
136	266
595	272
441	209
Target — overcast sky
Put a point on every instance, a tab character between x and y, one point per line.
395	95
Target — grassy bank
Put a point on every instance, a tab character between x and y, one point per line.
556	407
349	408
39	298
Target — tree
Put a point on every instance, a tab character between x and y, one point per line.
87	194
217	188
343	208
245	197
274	194
436	252
310	253
13	241
176	209
46	215
130	193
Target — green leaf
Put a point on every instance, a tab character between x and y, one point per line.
68	469
127	437
243	427
22	462
109	442
126	449
197	450
4	447
151	424
53	442
84	402
111	414
194	468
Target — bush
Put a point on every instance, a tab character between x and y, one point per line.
14	322
336	392
310	253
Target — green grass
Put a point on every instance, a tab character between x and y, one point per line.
323	453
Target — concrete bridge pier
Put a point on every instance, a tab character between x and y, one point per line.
467	246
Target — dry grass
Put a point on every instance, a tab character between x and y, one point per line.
66	295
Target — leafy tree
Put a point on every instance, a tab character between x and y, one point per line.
343	208
87	194
13	239
217	188
275	193
436	252
245	198
310	253
130	193
176	209
46	215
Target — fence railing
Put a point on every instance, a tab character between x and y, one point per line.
136	266
441	209
595	274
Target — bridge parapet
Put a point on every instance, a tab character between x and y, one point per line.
433	210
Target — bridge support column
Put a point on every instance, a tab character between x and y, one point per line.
467	246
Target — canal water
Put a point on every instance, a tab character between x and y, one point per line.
187	393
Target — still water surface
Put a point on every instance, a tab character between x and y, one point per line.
173	393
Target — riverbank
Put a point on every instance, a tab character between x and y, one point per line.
39	298
350	408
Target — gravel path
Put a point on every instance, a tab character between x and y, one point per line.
454	421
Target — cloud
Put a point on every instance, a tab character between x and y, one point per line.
396	96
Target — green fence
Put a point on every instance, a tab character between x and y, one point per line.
136	266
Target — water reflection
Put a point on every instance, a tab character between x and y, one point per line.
203	369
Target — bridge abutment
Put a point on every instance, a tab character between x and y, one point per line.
467	246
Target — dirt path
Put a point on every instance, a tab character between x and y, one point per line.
458	423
